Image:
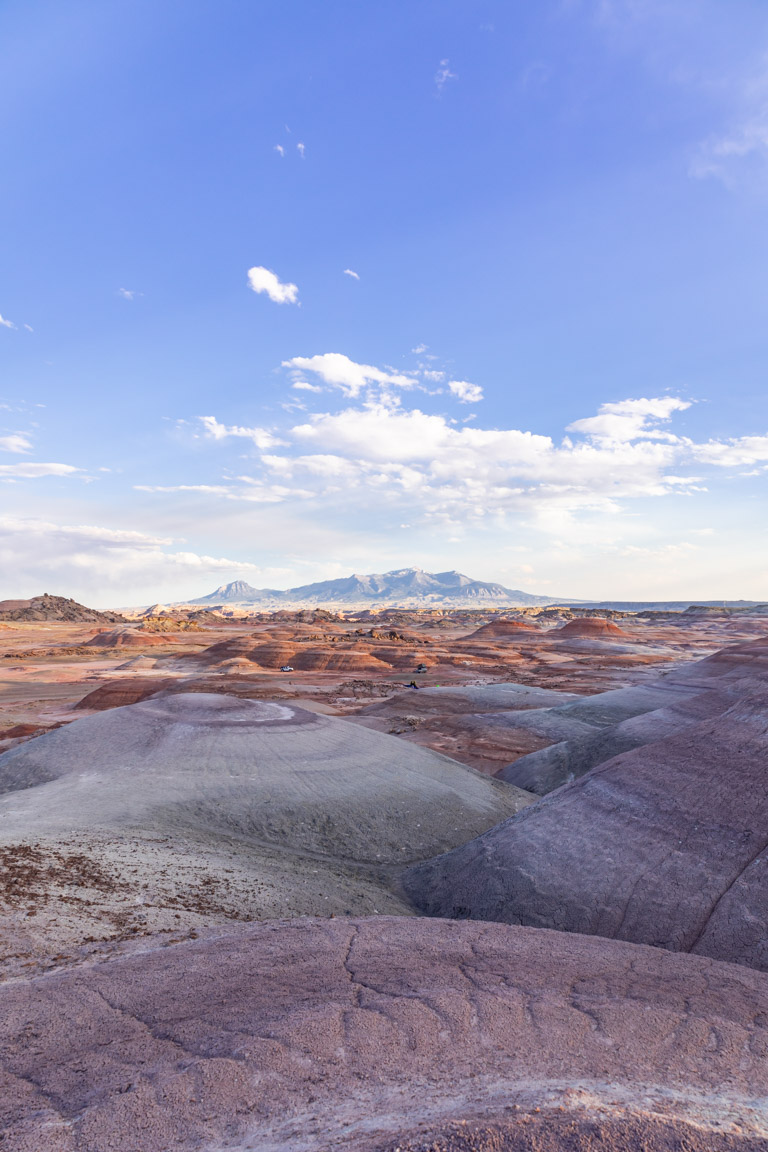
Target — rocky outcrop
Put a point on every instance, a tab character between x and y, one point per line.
56	608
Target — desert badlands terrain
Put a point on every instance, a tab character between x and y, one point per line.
463	879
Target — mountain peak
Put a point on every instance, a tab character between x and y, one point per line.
401	587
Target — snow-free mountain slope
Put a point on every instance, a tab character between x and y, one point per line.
402	586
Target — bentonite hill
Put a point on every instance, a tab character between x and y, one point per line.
464	881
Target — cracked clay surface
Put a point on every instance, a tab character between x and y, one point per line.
380	1033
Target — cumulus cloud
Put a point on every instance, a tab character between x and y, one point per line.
389	453
279	149
16	442
378	451
301	149
6	323
349	272
264	280
261	437
29	471
339	371
467	393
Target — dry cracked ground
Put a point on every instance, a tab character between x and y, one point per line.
520	907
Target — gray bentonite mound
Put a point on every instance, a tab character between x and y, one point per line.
269	771
665	845
195	809
593	729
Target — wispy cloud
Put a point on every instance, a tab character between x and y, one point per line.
261	437
129	293
88	558
349	272
15	442
301	149
264	280
34	471
737	156
279	149
6	323
443	75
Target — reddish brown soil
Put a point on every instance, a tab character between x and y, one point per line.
594	626
340	665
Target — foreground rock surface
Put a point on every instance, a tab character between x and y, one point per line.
386	1033
663	845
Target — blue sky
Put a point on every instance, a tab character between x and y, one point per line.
293	289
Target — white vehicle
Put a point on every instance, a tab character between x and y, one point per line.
286	668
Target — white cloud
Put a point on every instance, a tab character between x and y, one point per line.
129	293
338	370
388	454
16	442
467	393
209	489
443	75
741	451
419	349
279	149
264	280
428	470
631	419
349	272
29	328
6	323
261	437
300	149
34	471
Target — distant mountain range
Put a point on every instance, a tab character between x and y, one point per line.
404	587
